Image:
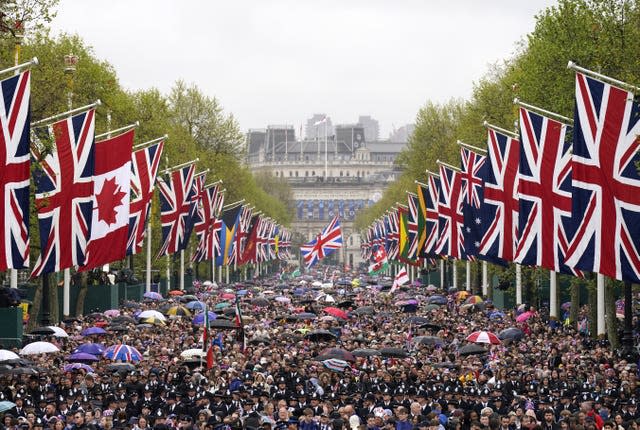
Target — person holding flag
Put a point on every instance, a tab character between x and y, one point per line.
401	278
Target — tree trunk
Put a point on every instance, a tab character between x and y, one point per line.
82	294
610	314
576	284
34	311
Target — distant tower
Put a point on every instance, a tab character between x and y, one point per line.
371	128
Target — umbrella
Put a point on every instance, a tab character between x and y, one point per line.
430	326
432	288
496	315
473	300
193	352
199	318
39	348
258	340
320	336
431	307
90	348
524	316
118	328
152	295
335	365
151	314
365	352
122	353
221	305
223	324
153	321
5	354
428	340
45	331
82	356
437	300
446	365
394	352
260	301
472	349
112	313
123	319
179	311
338	313
484	337
196	305
58	331
77	366
461	295
23	371
282	299
364	310
338	353
188	298
176	293
228	296
512	333
6	405
306	316
121	367
93	331
417	320
345	304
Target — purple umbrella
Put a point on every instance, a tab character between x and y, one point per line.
90	348
92	331
199	318
82	356
77	366
152	295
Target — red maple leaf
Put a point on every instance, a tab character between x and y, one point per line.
108	200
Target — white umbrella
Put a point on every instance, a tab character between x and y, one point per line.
5	354
316	284
58	331
329	299
39	348
207	283
151	314
193	352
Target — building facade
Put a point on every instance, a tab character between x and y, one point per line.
339	175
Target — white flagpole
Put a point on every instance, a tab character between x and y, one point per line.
468	275
148	268
485	279
600	305
227	278
168	273
442	286
213	269
518	284
66	293
553	294
454	269
182	270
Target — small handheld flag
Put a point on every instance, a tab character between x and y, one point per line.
400	279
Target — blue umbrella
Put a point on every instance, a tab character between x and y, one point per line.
92	331
6	405
496	315
242	292
437	300
199	318
90	348
77	366
152	295
82	356
122	353
196	305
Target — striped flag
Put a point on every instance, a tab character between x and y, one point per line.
401	278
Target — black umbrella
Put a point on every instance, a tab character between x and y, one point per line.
44	331
365	352
23	371
431	326
306	316
259	340
339	353
446	365
428	340
394	352
512	333
119	328
120	367
260	301
123	319
364	310
223	324
95	316
320	336
472	349
345	304
417	320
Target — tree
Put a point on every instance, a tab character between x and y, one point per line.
18	16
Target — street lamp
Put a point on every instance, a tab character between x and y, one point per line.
70	63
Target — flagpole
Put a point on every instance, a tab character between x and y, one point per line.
326	157
468	275
542	111
471	147
148	268
485	279
442	274
108	133
518	284
17	68
574	66
600	284
50	120
454	270
150	142
553	294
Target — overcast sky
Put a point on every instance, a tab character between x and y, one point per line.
280	61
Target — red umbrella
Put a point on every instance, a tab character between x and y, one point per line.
228	296
484	337
176	293
338	313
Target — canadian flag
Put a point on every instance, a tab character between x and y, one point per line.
111	185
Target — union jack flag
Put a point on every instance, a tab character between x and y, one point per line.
15	117
324	244
501	197
175	208
216	225
431	218
606	184
204	224
144	169
196	206
64	195
392	227
412	226
544	187
451	219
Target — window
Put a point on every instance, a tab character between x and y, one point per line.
313	173
341	173
351	241
306	173
290	173
296	173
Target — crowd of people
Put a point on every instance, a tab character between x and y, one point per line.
318	355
